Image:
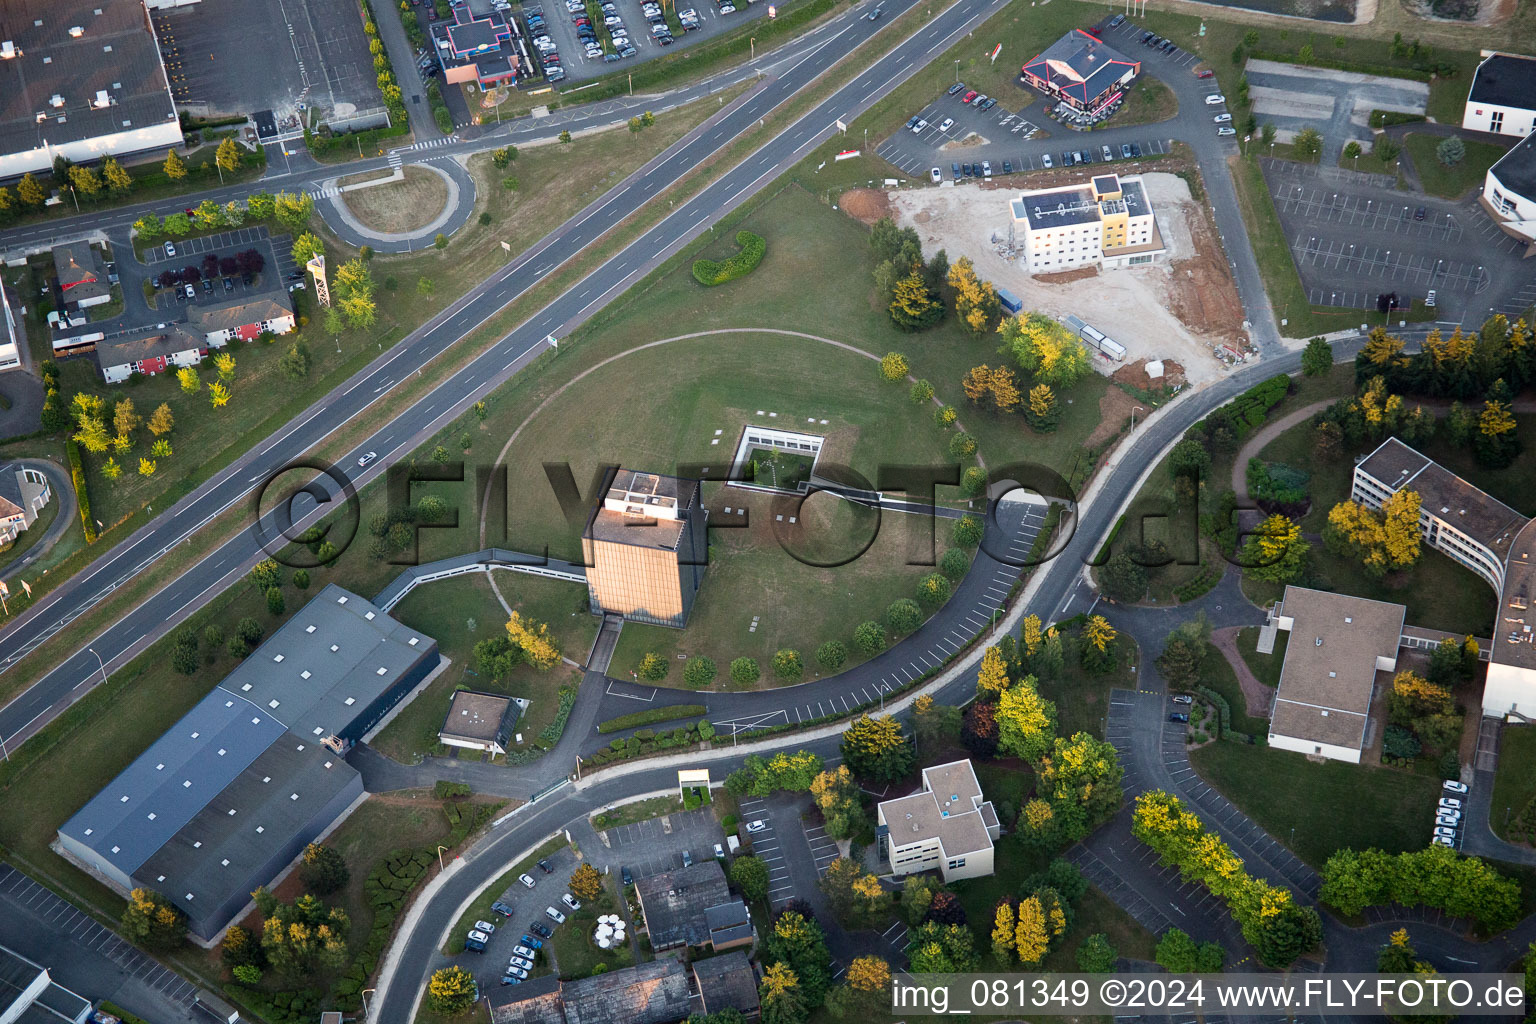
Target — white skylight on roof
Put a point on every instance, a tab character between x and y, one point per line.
369	616
334	648
309	629
197	845
231	812
342	599
350	701
229	703
381	671
160	767
194	735
301	746
151	815
255	721
189	896
89	831
266	778
117	849
222	751
277	657
293	796
304	674
123	800
244	688
273	704
327	764
225	862
318	730
260	829
160	879
413	640
186	783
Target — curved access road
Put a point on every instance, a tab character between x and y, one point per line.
413	424
63	492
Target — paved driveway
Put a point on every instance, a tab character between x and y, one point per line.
656	845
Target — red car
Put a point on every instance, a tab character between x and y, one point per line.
1205	74
968	96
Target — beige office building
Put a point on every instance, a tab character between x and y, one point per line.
948	826
1107	222
645	548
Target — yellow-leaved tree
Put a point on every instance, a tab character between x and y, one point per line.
1031	634
1030	940
992	678
869	974
1401	540
1383	350
1003	934
541	649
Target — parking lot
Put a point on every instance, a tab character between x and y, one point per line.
1354	237
655	845
767	846
573	60
527	909
315	53
277	269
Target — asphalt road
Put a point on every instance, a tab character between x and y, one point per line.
236	484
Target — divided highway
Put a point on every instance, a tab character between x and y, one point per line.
235	485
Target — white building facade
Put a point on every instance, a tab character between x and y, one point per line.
1502	97
1108	222
947	826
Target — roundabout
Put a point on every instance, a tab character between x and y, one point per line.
403	210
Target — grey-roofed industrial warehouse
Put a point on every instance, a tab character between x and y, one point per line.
233	791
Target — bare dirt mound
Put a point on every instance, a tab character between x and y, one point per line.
865	204
1115	408
1068	276
1200	290
1134	375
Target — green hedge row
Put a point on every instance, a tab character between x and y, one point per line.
551	734
740	264
1416	74
82	495
1200	585
644	741
651	717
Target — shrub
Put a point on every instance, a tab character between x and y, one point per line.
831	655
82	496
699	671
745	671
710	273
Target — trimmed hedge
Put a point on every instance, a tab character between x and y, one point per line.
652	716
82	495
709	273
1199	586
551	734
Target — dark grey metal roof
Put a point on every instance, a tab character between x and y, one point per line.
17	974
535	1001
336	656
1516	170
1505	80
1057	208
246	825
728	922
674	903
727	980
653	993
114	52
160	792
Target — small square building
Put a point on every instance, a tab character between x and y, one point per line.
1337	645
727	982
645	548
479	721
29	995
948	825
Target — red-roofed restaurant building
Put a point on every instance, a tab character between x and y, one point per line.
1081	71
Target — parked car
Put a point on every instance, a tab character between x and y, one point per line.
229	285
170	248
554	915
1215	99
518	961
571	901
1226	130
954	170
946	124
1125	150
529	942
1007	166
1222	118
1177	716
756	826
1205	73
1085	156
544	867
957	87
1117	21
540	929
967	170
935	175
1183	698
509	979
1441	841
627	878
1442	830
475	941
719	852
1419	213
986	168
502	908
1145	36
191	291
1136	150
1045	161
1108	154
1429	303
687	859
991	102
980	102
968	96
1451	818
526	879
1450	803
516	972
918	128
485	926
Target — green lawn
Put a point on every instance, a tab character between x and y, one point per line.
638	810
1082	697
784	471
1451	182
480	909
1265	667
1299	802
409	820
461	611
574	951
1149	101
1096	913
1216	673
1514	785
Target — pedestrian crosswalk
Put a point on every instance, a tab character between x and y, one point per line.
325	193
396	159
434	143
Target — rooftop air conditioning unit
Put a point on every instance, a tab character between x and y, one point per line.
8	50
55	100
76	32
101	100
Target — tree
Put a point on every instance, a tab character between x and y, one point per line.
917	892
1496	442
585	882
218	395
787	664
745	671
874	748
304	937
1451	151
978	729
294	363
913	306
698	671
184	652
1316	358
147	467
539	647
837	796
992	675
780	998
324	870
1276	551
750	875
30	192
854	895
188	379
227	156
452	990
224	365
117	179
1327	442
1182	658
798	943
425	287
1189	460
275	602
921	392
893	366
831	655
124	420
1413	697
869	638
1003	929
869	974
933	590
653	667
174	167
1030	941
1096	955
1122	579
1081	778
1308	143
84	180
1098	637
1284	936
976	301
1353	151
306	247
962	446
1040	411
1045	349
151	921
941	949
967	531
1026	721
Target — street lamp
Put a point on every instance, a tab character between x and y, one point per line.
957	71
1133	416
752	47
99	662
440	850
365	1001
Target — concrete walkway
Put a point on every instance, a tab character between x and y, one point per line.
1259	697
1266	434
455	214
